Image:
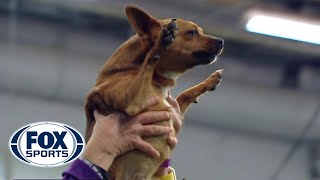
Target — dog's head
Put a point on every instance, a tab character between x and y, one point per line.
190	48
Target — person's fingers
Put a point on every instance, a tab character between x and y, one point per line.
152	100
177	121
173	102
146	147
152	117
155	130
172	141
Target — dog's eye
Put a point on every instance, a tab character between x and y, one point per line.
193	32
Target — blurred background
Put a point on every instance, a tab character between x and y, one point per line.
260	123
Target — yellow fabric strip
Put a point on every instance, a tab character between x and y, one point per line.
170	176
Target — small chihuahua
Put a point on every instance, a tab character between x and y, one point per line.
149	63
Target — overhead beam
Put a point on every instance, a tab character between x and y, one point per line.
243	46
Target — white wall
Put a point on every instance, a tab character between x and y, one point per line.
202	153
206	154
3	165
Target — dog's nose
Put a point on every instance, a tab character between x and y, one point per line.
220	43
217	45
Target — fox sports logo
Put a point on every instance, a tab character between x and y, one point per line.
46	144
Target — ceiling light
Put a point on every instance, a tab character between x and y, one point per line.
284	27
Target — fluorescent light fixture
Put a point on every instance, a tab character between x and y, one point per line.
284	27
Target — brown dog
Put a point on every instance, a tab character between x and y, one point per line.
149	63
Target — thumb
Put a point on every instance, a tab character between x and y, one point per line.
97	115
173	102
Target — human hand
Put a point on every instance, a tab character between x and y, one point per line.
177	121
118	133
172	138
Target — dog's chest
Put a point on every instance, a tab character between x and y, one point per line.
171	75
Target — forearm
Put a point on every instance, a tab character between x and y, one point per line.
80	170
101	159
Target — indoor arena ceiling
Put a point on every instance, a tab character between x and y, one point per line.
251	99
224	18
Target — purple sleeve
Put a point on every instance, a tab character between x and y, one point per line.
80	170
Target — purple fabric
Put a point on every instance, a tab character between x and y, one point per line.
80	170
166	163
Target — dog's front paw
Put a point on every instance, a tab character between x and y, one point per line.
169	32
213	80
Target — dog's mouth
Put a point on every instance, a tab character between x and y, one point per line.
205	57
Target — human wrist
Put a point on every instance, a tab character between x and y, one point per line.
101	158
101	172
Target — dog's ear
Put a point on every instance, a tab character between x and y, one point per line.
141	21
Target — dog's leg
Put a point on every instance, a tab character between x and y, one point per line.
145	76
94	101
140	87
189	96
